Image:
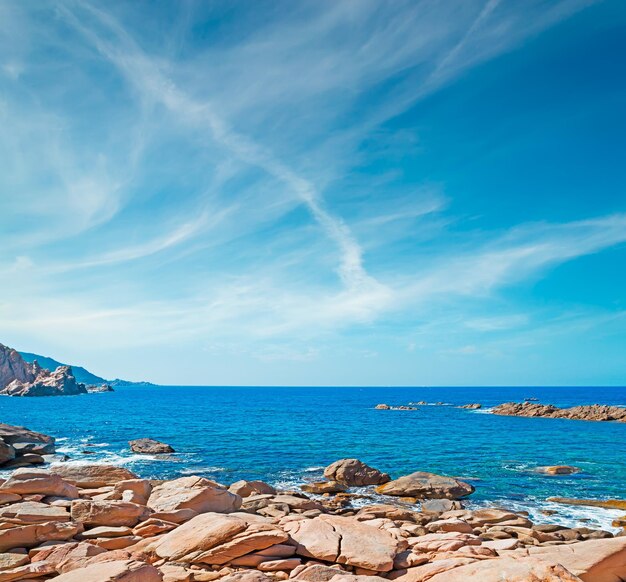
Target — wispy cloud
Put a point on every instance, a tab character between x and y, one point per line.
255	185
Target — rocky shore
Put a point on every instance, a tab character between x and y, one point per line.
597	412
21	378
76	522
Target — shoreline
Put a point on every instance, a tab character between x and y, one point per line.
80	521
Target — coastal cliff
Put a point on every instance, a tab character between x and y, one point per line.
21	378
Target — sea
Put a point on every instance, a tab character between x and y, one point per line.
286	436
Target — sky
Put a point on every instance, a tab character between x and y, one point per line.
360	192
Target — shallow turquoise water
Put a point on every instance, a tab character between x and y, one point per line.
286	435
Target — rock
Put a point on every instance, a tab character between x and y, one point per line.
213	538
68	556
558	470
344	540
247	576
6	498
32	512
106	531
14	367
28	481
24	440
61	382
92	476
139	489
511	570
321	487
108	513
474	406
177	516
427	486
354	473
98	389
28	571
11	560
439	505
150	447
593	561
152	527
7	452
606	503
316	573
195	493
387	407
296	502
444	525
28	536
26	460
114	571
596	412
247	488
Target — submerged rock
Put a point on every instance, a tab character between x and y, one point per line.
150	447
558	470
427	486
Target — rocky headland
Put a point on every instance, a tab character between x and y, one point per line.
597	412
75	522
21	378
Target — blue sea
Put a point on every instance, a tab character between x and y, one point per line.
287	435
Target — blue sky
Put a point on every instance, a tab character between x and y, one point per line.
357	192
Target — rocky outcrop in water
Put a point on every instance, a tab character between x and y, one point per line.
423	485
150	447
598	412
81	523
21	378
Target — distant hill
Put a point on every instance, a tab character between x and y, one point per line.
81	375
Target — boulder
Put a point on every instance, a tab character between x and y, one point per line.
92	476
511	570
196	493
108	513
28	571
321	487
114	571
9	560
67	556
138	489
316	573
247	488
150	447
25	440
7	452
344	540
28	536
32	512
439	505
601	560
213	538
27	481
354	473
426	486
